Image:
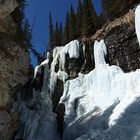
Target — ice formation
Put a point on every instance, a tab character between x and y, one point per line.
137	22
101	105
95	92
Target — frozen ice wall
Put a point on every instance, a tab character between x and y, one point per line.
37	120
97	103
101	105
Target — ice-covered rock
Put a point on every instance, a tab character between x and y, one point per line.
100	105
100	100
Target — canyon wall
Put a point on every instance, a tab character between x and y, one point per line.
14	66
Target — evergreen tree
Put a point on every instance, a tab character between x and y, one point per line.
115	8
106	4
51	30
18	16
27	36
79	20
60	33
56	34
89	18
100	21
72	24
128	4
65	36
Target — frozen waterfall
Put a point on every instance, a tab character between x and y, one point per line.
101	105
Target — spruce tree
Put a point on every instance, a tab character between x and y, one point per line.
89	19
115	8
27	36
100	21
79	20
18	16
72	24
60	33
65	36
51	30
56	34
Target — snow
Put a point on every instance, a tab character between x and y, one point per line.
137	22
38	68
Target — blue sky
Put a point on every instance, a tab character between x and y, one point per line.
41	9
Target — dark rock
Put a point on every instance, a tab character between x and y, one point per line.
121	41
60	111
58	92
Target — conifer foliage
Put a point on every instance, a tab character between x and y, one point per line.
72	24
84	22
51	30
89	19
23	34
115	8
77	24
65	34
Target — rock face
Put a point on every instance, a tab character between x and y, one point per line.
14	65
121	41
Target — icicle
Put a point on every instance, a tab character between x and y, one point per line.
137	22
99	52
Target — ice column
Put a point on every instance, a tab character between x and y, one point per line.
99	53
137	22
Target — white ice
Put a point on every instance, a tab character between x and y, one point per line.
96	92
137	22
101	105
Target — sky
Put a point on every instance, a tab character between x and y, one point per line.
41	9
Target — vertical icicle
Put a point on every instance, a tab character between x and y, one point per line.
137	22
99	52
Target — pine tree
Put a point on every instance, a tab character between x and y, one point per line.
56	34
100	21
89	18
27	36
65	36
51	30
79	20
72	24
115	8
60	33
125	5
18	16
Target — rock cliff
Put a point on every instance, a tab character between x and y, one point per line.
14	65
122	43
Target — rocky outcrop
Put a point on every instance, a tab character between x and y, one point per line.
121	41
14	66
122	46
